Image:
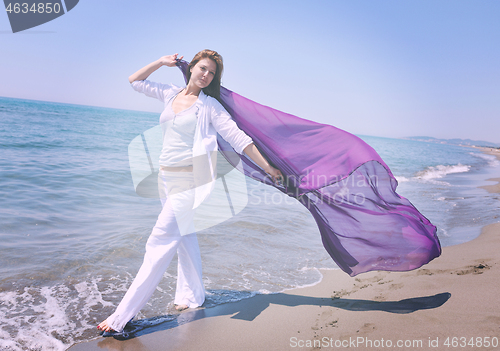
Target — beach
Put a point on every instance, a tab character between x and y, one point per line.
450	303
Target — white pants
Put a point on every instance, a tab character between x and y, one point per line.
164	241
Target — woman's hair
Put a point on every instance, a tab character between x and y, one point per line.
213	89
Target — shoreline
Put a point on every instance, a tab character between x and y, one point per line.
494	188
451	299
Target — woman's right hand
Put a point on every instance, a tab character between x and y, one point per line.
170	60
144	72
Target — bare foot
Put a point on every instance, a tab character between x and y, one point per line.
181	307
104	326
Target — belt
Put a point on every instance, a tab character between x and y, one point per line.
177	169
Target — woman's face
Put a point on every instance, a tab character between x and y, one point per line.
203	72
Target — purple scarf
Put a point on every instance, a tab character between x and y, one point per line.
350	191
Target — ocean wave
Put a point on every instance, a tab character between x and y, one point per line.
491	159
439	171
54	317
435	172
402	179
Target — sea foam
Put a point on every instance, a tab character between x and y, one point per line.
492	160
439	171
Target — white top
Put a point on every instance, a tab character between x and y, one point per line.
178	136
212	119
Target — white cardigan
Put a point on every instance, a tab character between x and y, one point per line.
212	119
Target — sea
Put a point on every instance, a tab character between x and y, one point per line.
73	228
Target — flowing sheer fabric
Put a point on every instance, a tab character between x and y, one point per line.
350	191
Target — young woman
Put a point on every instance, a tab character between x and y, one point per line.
190	121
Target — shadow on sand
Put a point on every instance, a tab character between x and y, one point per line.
249	309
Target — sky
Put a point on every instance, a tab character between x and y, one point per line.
386	68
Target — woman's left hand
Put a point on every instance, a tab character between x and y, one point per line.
275	174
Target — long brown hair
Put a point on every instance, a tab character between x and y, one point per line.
213	89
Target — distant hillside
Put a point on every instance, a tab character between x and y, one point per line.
464	142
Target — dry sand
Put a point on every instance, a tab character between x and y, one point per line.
453	299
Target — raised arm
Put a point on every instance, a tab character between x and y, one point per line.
145	72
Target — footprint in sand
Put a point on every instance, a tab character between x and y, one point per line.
476	269
396	286
367	328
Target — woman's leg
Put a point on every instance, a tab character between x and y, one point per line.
190	291
164	241
160	249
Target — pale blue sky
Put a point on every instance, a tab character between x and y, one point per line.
373	67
